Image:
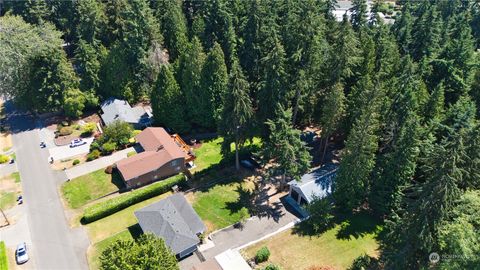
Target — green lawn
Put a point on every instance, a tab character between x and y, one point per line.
335	248
208	154
219	206
9	189
16	176
3	256
96	250
81	190
7	200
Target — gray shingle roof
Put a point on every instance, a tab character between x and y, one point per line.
316	183
116	109
174	220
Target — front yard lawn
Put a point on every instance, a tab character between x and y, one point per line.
81	190
219	206
208	154
10	188
335	248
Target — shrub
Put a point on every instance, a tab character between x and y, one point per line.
106	208
4	159
262	255
363	262
108	147
118	132
88	129
94	146
133	153
76	162
93	155
272	267
64	131
109	169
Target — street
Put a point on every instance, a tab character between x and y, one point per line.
54	245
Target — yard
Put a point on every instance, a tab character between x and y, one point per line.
81	190
335	248
10	188
116	226
3	256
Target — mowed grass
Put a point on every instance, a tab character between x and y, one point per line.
7	200
208	154
219	205
9	189
3	256
16	176
335	248
96	250
81	190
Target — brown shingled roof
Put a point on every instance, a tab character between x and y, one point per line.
160	148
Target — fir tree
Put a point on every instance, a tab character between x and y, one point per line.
173	24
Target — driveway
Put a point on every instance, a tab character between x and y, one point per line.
98	164
65	152
54	245
254	229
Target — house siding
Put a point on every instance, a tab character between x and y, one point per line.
173	167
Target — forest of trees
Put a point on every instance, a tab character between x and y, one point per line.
405	98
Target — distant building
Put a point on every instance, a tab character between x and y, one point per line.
164	155
175	221
115	109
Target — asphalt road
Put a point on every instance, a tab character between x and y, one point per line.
54	244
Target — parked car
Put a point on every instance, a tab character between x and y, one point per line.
43	145
77	142
21	254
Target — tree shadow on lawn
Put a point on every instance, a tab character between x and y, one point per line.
351	225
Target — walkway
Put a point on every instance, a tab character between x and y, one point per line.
97	164
255	228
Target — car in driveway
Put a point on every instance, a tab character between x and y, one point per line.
77	142
21	254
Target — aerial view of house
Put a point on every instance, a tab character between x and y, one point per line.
163	155
239	135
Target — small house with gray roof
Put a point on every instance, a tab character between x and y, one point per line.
317	183
175	221
115	109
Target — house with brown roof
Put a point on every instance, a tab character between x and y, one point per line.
163	155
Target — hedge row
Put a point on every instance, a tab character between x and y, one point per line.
106	208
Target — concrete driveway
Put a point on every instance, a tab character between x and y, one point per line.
65	152
54	244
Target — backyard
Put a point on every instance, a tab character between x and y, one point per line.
335	248
81	190
10	188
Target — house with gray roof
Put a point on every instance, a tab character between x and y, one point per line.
174	220
316	183
115	109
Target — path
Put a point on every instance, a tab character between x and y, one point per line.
54	244
97	164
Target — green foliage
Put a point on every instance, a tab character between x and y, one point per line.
117	132
289	154
106	208
3	256
148	250
89	59
272	267
4	159
173	26
75	162
262	255
73	103
166	99
89	128
363	262
93	155
321	214
108	147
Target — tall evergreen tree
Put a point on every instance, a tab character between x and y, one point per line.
237	112
167	102
215	83
91	20
289	154
359	14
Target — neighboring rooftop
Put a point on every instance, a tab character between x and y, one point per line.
160	148
316	183
227	260
116	109
174	220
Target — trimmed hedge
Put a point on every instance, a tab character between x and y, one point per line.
106	208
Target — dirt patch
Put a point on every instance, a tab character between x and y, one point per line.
68	163
5	142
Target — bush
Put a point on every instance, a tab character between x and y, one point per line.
93	155
262	255
88	129
4	159
64	131
76	162
364	262
118	132
109	169
109	147
94	146
106	208
272	267
133	153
